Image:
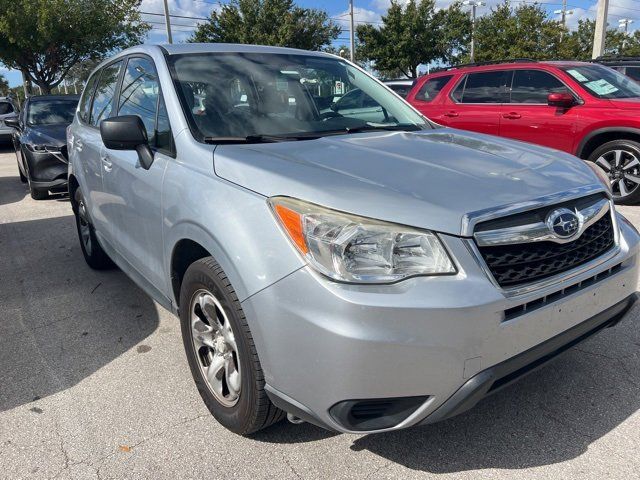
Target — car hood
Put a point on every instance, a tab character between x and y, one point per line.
424	179
53	135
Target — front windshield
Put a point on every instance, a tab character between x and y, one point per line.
604	82
241	95
51	112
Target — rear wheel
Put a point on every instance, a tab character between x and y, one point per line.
221	352
620	159
92	251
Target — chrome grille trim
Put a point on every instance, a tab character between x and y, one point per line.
539	231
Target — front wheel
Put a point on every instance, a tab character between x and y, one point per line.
221	352
620	159
38	193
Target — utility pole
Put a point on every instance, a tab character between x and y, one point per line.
167	21
624	23
352	41
25	85
563	16
473	4
601	29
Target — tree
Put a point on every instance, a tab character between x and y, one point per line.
268	22
579	43
415	33
4	86
520	32
45	38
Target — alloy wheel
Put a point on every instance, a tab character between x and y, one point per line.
623	169
215	348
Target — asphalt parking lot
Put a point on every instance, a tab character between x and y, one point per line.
94	384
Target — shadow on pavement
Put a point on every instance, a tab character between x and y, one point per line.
551	416
12	190
60	320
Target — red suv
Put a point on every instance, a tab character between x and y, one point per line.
586	109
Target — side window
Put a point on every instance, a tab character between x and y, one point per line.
5	107
431	88
533	86
85	102
352	99
163	129
139	93
484	87
103	98
633	72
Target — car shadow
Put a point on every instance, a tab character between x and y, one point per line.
12	190
60	320
549	417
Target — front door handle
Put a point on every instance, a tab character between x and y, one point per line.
106	163
452	113
512	115
78	145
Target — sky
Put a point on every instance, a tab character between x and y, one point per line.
366	11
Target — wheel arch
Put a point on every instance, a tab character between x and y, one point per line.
603	135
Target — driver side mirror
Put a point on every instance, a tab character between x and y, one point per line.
127	132
563	100
12	122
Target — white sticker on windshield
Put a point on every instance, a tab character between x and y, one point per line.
577	75
601	87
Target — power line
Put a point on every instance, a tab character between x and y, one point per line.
174	16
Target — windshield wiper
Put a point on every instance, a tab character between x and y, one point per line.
370	128
258	139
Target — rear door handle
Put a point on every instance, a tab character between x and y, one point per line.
106	163
512	115
451	114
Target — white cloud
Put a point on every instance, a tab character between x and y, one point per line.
360	16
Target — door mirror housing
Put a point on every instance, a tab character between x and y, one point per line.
127	132
12	122
563	100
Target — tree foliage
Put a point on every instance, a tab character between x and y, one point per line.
4	86
45	38
268	22
414	33
579	43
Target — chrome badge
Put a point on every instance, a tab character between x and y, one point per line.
563	223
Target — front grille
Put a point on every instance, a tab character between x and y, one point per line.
517	264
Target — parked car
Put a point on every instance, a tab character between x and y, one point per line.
402	86
363	276
39	140
630	66
8	110
585	109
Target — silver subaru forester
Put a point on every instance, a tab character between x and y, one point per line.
333	256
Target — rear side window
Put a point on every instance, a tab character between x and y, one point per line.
432	87
85	102
402	90
5	107
484	87
140	95
633	72
105	91
533	86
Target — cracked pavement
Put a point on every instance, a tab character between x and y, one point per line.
94	384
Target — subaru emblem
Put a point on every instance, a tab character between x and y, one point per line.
563	223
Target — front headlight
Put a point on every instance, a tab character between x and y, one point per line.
355	249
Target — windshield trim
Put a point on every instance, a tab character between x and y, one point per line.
198	135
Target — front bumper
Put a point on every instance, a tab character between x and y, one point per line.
445	341
47	170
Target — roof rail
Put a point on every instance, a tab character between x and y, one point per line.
616	57
493	62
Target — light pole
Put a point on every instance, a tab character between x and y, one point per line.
473	4
563	12
601	27
624	23
352	41
167	21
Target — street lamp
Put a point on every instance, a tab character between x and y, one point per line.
473	4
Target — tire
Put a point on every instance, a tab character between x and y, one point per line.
620	159
92	251
23	179
206	295
38	193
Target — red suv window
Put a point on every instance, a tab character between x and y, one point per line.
534	86
432	87
484	87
